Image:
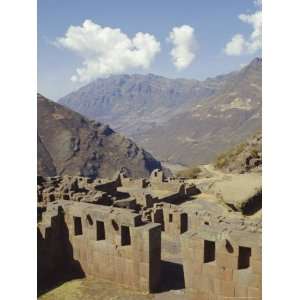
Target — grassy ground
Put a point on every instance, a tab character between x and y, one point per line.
92	289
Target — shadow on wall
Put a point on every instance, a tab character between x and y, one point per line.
172	275
55	263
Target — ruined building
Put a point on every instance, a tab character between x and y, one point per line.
148	235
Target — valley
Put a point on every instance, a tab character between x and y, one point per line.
179	121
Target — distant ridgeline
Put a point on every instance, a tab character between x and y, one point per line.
178	120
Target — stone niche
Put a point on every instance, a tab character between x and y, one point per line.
110	243
173	220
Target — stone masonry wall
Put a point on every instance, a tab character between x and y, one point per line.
221	268
114	244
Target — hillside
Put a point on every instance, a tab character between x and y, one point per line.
213	125
242	158
179	121
68	143
135	103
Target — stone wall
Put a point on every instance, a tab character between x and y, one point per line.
174	220
218	266
115	229
76	188
112	243
133	183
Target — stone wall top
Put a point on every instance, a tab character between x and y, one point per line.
101	212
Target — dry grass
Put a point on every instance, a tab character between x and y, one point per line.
191	173
224	158
92	289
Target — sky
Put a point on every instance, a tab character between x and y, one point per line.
79	41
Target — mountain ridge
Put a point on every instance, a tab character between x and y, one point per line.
172	117
206	129
148	99
70	144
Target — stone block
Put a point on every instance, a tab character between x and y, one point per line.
143	284
247	278
256	265
256	253
203	295
193	294
212	297
196	295
144	270
206	284
227	261
254	293
225	274
142	256
224	288
241	291
210	269
125	251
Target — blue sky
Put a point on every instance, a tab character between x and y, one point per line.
214	24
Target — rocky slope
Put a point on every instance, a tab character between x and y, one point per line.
134	103
213	125
242	158
180	121
70	144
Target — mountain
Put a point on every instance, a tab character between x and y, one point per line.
135	103
213	125
69	143
180	121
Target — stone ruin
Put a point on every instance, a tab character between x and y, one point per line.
218	264
137	233
110	243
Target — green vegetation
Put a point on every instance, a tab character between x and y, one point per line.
189	173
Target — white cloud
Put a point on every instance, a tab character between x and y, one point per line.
255	20
236	46
241	45
107	51
183	52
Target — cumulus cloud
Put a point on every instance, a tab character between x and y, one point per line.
236	46
241	45
184	46
107	51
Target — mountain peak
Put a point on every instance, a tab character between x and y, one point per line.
256	61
